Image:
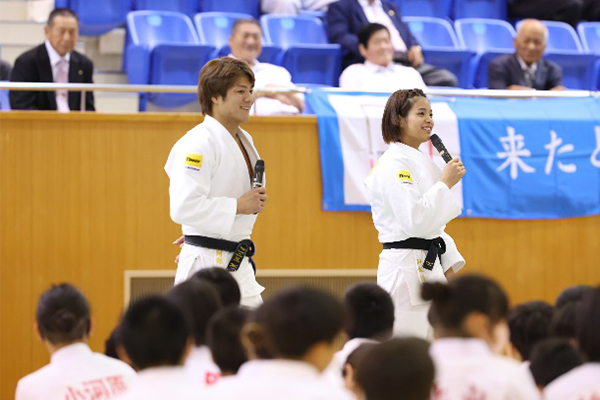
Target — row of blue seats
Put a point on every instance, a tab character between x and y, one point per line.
166	47
99	17
467	48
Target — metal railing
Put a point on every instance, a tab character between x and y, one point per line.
449	92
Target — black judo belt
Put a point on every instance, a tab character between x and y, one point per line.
435	248
242	249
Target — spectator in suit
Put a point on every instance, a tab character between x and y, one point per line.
345	18
526	69
55	60
4	70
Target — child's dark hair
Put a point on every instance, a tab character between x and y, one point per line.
370	311
298	318
223	337
452	302
201	301
529	323
551	358
154	332
63	314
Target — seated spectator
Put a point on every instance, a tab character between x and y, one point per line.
156	335
526	69
351	365
396	370
224	282
528	323
223	337
550	359
293	7
346	17
4	70
63	323
470	319
582	383
370	312
54	61
379	72
298	326
201	301
246	44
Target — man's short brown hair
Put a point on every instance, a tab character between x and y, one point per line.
397	107
217	77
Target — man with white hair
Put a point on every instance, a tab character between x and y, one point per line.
526	69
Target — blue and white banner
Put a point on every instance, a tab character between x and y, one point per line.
525	159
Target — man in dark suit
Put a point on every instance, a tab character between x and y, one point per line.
54	61
526	69
346	17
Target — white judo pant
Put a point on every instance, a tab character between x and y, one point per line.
398	274
193	259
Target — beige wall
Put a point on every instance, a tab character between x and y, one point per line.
83	197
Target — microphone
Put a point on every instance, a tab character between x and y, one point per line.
259	170
439	146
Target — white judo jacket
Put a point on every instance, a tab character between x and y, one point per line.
466	369
408	200
77	373
208	173
581	383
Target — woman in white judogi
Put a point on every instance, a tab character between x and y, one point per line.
410	198
469	317
210	169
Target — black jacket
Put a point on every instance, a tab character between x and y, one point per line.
506	70
34	66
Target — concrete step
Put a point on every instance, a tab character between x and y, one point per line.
110	77
31	10
21	32
112	102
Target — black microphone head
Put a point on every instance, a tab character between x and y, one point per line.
259	166
436	141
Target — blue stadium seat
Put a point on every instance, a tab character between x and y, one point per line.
589	32
440	46
165	50
306	53
215	28
425	8
251	7
564	48
4	100
495	9
97	17
188	7
488	39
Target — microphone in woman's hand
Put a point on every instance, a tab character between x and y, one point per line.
439	146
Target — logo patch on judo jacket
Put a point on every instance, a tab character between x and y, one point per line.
405	176
193	161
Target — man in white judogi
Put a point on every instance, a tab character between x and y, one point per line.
210	169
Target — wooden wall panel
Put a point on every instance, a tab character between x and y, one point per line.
84	197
